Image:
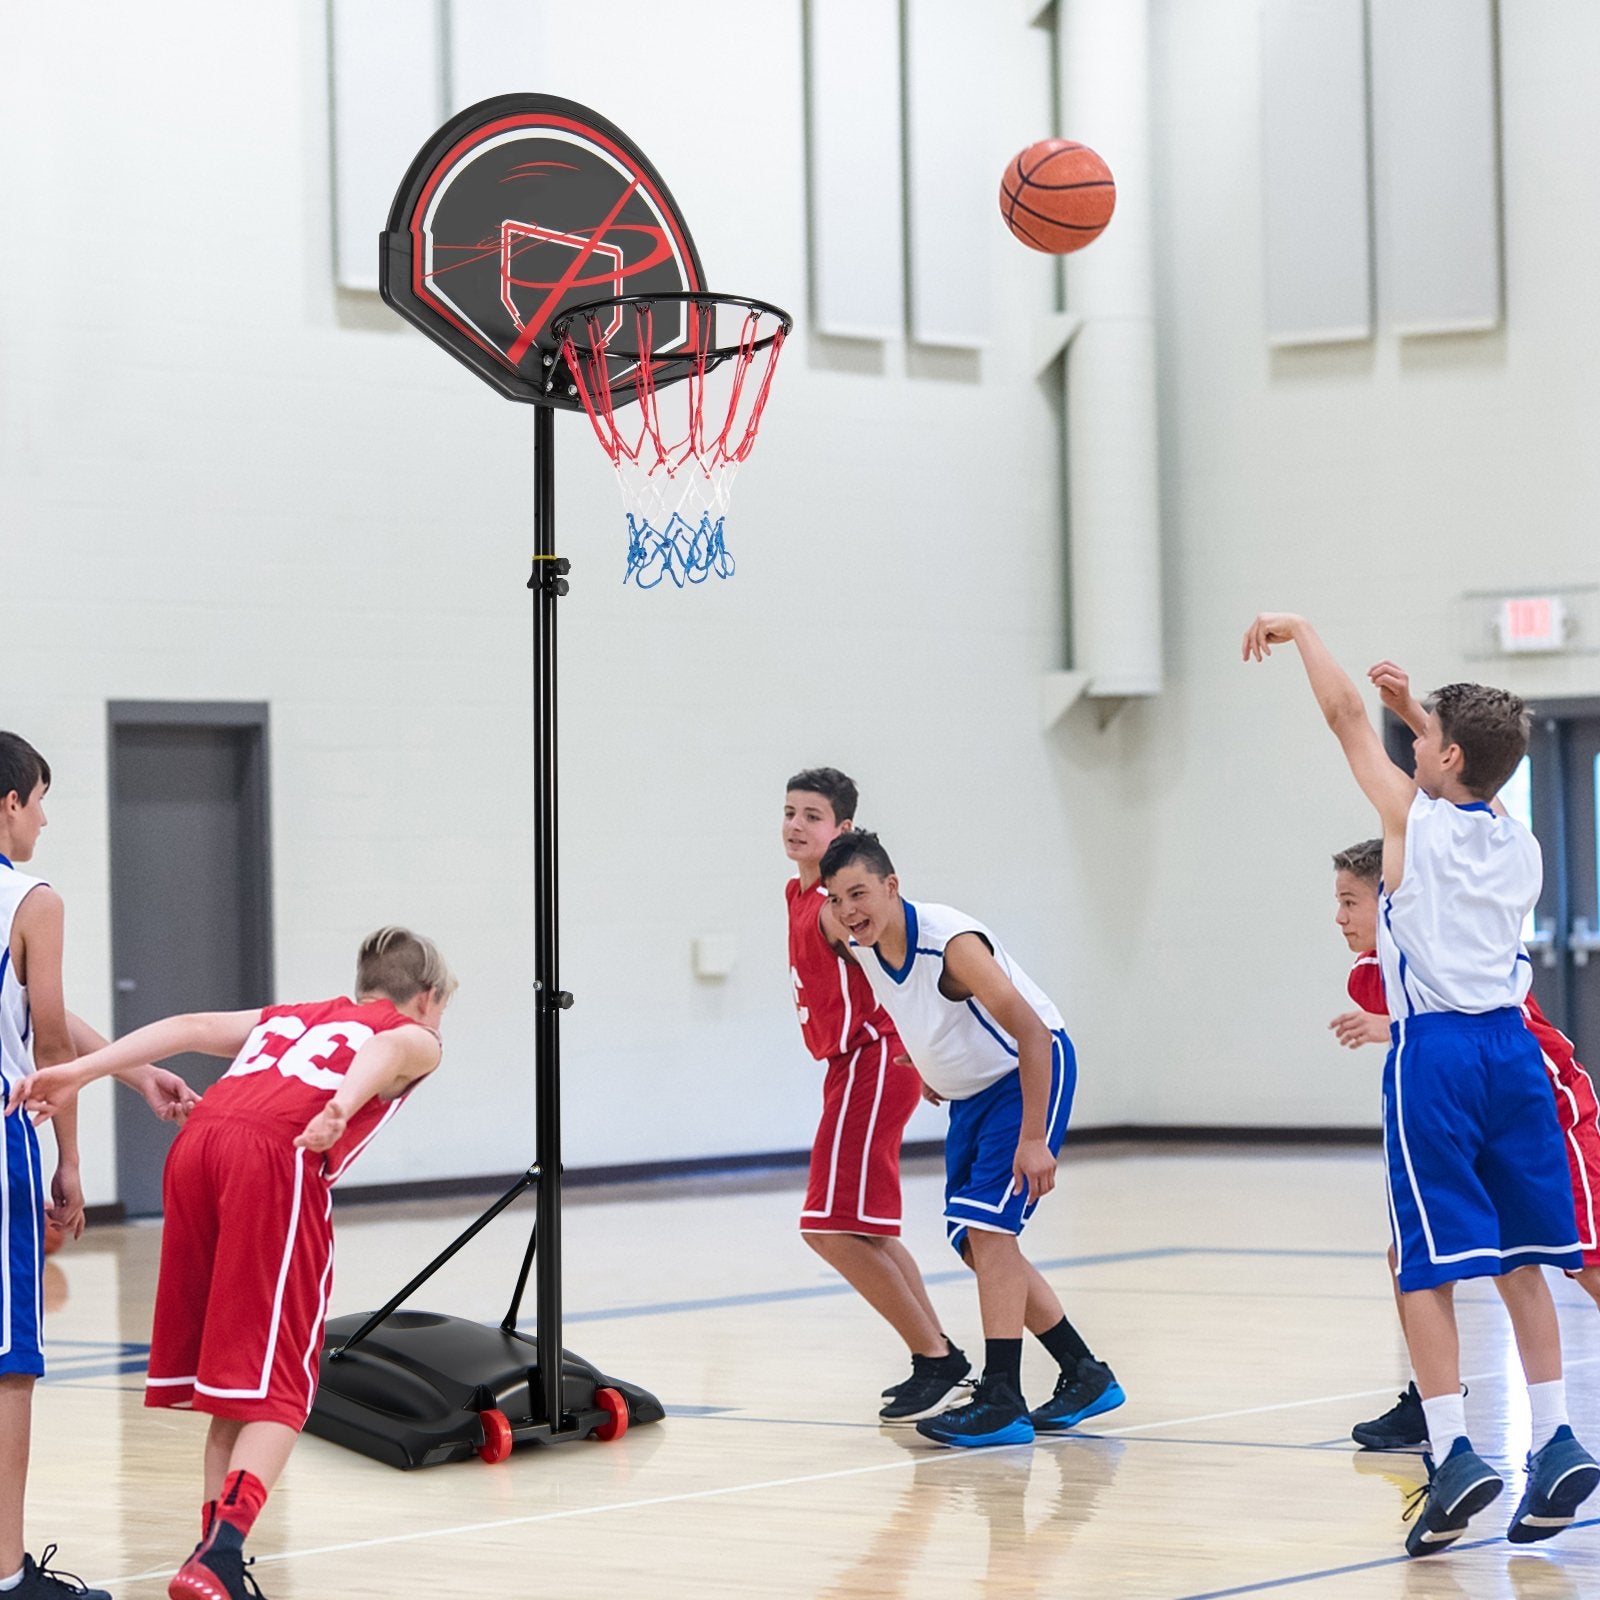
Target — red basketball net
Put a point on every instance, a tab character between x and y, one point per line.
698	407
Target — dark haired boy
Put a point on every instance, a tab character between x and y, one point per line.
36	1029
1358	872
989	1041
1477	1182
851	1212
247	1245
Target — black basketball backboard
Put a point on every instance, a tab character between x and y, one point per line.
519	208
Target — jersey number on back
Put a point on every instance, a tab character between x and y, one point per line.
317	1056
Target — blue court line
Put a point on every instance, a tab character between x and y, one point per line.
98	1344
1214	1444
98	1388
710	1414
838	1289
1360	1566
92	1358
826	1291
1270	1250
110	1369
734	1414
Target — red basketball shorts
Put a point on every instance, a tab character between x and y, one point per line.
867	1099
1578	1112
246	1262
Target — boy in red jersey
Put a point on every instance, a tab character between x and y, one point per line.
851	1215
247	1246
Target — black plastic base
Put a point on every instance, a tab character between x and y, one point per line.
411	1393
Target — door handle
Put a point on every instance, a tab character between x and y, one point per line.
1582	941
1542	942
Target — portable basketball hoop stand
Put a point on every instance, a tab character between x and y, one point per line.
420	1388
415	1388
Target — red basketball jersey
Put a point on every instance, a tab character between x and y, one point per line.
838	1013
1365	984
1558	1049
1366	989
292	1065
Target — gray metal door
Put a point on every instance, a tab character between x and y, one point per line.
1575	916
190	892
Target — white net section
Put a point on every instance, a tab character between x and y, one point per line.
689	413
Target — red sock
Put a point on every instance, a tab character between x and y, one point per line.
207	1512
239	1504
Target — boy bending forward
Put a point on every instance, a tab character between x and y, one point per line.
1478	1183
985	1037
247	1246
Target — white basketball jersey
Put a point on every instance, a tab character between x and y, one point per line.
1450	937
955	1044
16	1039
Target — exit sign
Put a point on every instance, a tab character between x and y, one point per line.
1532	622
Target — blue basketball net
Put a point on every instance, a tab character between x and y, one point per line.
680	551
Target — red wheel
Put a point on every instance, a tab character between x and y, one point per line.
616	1408
496	1444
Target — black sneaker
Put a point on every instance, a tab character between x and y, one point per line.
1401	1427
996	1414
932	1385
1086	1391
40	1583
215	1574
952	1349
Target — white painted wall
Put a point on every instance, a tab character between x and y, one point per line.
1368	485
220	478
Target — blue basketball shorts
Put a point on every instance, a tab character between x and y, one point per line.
22	1201
981	1147
1477	1173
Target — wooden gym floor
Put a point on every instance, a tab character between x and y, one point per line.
1240	1296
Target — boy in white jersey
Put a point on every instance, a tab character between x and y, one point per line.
1478	1183
36	1029
987	1039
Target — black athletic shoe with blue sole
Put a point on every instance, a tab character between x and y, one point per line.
1560	1478
996	1414
1458	1488
1087	1391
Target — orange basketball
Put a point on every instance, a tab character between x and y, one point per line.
1057	196
53	1237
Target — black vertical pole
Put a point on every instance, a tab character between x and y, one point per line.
548	585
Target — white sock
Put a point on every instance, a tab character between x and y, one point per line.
1549	1402
12	1581
1447	1422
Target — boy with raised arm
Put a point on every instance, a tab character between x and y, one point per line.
851	1212
987	1039
247	1244
1477	1180
1358	872
36	1029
